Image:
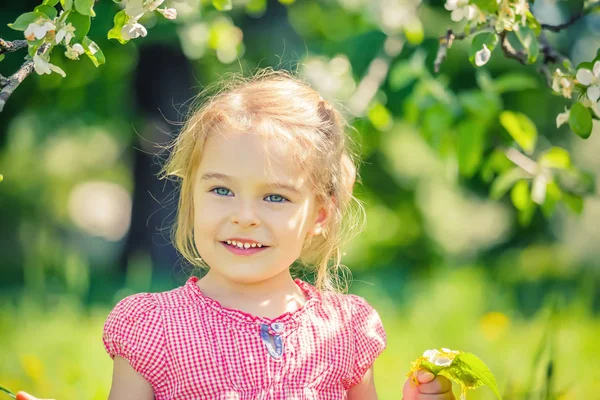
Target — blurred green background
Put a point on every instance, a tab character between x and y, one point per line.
85	222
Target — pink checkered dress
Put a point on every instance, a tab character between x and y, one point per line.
190	347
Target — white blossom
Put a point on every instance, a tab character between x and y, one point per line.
39	29
521	7
562	83
132	30
168	13
43	66
591	79
461	9
563	118
442	358
483	56
66	32
137	8
74	52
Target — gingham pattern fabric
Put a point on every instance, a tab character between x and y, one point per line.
189	347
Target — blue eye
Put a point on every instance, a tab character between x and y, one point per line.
221	191
275	198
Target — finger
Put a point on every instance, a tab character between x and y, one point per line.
410	390
24	396
440	384
425	376
439	396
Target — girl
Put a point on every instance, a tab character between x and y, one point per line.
266	180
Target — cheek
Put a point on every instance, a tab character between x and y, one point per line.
205	215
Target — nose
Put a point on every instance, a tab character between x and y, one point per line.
245	215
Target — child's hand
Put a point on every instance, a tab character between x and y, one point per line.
26	396
430	387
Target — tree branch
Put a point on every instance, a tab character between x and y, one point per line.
583	12
510	51
10	84
447	40
11	46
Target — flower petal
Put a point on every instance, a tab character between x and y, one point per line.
597	69
563	118
57	70
593	93
483	56
584	76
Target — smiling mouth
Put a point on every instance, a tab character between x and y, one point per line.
244	250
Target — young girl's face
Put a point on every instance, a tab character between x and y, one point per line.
248	189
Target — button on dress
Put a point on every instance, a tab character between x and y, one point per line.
189	347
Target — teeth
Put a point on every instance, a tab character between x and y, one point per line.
243	245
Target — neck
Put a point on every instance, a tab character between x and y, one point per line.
269	298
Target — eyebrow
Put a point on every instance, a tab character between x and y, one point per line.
216	175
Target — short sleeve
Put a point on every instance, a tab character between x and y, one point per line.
133	330
369	337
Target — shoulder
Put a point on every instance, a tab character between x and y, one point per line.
139	304
351	305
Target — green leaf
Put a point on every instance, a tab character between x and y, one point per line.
577	182
66	4
505	181
403	74
553	195
380	117
580	120
574	202
555	157
8	392
47	10
81	23
437	120
521	129
489	39
414	32
470	372
2	57
490	6
256	7
23	20
514	82
85	7
50	3
471	140
287	2
533	23
33	46
222	5
529	41
483	105
121	18
586	64
93	51
520	195
526	215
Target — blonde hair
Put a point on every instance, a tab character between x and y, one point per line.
287	109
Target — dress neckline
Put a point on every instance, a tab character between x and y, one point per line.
290	319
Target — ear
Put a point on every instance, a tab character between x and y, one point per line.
320	222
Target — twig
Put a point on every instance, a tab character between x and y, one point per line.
11	83
447	40
442	53
11	46
582	12
510	51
